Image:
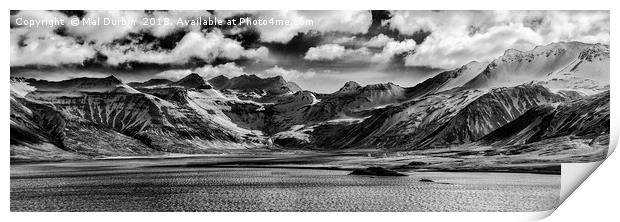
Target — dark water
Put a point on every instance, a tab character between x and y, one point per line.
273	189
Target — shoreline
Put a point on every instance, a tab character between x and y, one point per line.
311	161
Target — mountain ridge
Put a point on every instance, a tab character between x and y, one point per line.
219	115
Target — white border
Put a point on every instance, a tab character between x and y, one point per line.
599	190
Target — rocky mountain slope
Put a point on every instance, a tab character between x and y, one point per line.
191	81
105	117
440	119
587	118
554	91
561	66
252	83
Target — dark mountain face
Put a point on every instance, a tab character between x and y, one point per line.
446	80
151	82
43	131
490	112
219	82
442	121
35	123
87	117
432	84
129	122
252	83
78	84
584	118
192	81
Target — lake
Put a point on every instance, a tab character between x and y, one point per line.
125	187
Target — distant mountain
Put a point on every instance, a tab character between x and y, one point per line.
87	116
151	82
440	120
489	112
444	110
587	118
349	87
373	95
84	85
462	75
447	80
348	103
556	62
554	92
190	81
252	83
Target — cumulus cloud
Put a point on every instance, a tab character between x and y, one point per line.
206	46
66	44
331	52
378	41
287	74
392	48
304	21
173	17
40	45
159	27
53	50
108	33
208	71
325	52
457	37
450	53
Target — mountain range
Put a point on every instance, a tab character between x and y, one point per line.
560	90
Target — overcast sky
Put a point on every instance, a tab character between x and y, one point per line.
403	47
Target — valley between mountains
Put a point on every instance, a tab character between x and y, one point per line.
524	111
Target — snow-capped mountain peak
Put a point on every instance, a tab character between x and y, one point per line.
545	63
349	87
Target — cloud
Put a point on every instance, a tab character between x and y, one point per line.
108	33
458	37
331	52
378	41
173	17
163	23
392	48
65	44
325	52
205	46
208	71
53	51
343	40
288	75
304	21
40	45
450	52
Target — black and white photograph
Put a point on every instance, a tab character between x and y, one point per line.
304	110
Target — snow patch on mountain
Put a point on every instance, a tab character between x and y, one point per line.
588	74
545	63
463	75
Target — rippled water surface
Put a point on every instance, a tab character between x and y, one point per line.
276	189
